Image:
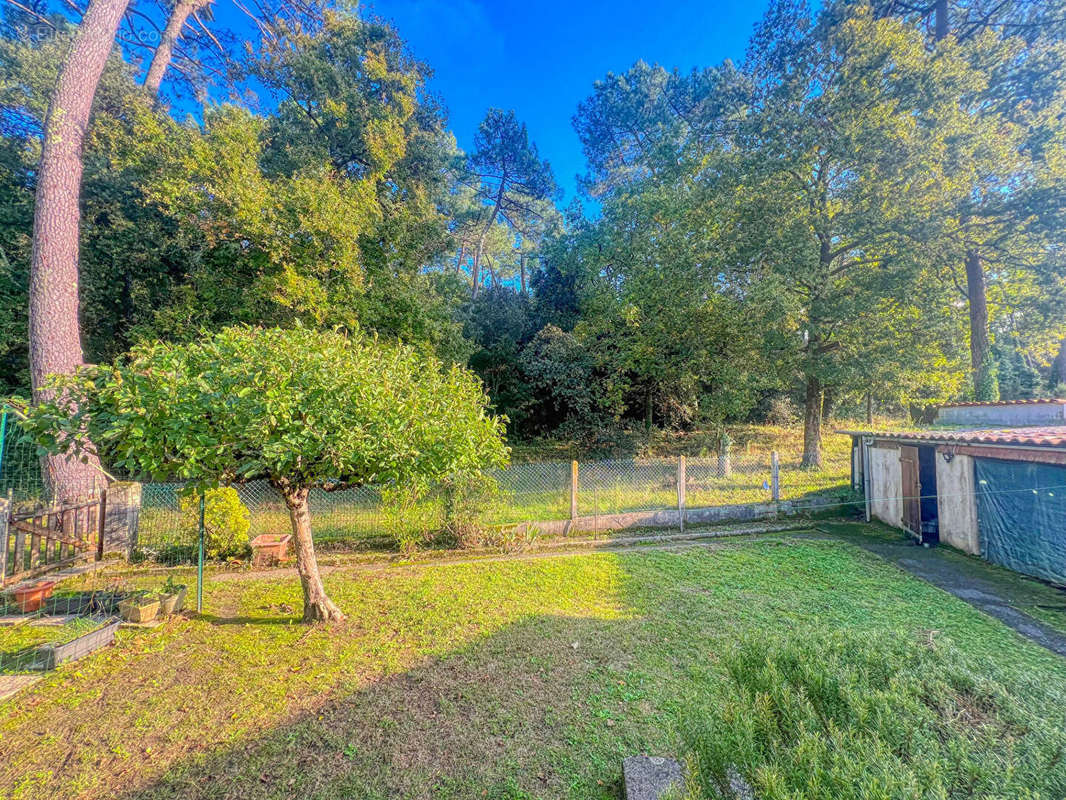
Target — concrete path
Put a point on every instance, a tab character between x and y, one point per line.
967	579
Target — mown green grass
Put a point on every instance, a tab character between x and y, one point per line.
526	678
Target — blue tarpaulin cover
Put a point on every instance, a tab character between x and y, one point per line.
1021	516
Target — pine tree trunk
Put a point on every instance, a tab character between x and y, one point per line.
164	52
980	355
475	272
1058	368
812	423
317	605
54	328
522	268
940	19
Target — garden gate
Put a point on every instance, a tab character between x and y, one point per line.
37	541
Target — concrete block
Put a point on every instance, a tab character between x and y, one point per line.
652	778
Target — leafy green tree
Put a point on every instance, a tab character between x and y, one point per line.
299	408
849	111
1004	227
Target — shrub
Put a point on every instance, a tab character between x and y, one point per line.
469	502
411	516
782	412
226	521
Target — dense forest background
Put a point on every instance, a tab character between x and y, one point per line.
864	213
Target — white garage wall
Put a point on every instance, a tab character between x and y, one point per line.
886	495
957	503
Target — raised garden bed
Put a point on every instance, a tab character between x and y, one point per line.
52	655
43	643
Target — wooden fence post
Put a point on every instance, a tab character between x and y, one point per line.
101	524
573	492
681	496
775	477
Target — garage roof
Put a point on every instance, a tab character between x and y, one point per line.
1041	436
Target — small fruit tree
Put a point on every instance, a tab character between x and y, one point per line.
302	409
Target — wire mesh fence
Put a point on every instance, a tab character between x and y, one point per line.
47	617
378	518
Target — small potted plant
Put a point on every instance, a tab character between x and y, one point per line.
171	597
141	606
32	596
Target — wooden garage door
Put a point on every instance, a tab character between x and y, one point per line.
911	489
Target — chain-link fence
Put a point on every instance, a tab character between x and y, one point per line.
375	518
58	603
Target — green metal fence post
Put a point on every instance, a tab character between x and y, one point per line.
3	438
200	560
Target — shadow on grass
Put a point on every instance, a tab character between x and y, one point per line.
212	619
506	717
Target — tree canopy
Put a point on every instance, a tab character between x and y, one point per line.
300	408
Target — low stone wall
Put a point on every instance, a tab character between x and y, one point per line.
670	519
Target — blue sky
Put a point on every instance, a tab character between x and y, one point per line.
541	58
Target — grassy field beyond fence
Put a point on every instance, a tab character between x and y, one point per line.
528	492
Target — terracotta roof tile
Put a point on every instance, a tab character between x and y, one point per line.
1042	436
1035	402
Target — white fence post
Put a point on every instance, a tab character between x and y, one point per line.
681	499
573	492
775	477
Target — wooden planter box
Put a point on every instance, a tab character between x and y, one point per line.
172	603
139	609
269	549
54	655
31	598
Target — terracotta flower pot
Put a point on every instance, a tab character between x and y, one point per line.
269	549
32	597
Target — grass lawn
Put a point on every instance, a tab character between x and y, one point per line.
827	673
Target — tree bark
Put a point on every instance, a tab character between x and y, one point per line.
1058	368
940	20
980	356
812	423
522	271
869	409
317	605
828	401
164	52
54	328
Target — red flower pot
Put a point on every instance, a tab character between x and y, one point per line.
269	549
32	597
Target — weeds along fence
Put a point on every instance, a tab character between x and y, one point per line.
523	499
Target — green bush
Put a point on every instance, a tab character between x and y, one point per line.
469	501
411	515
226	521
